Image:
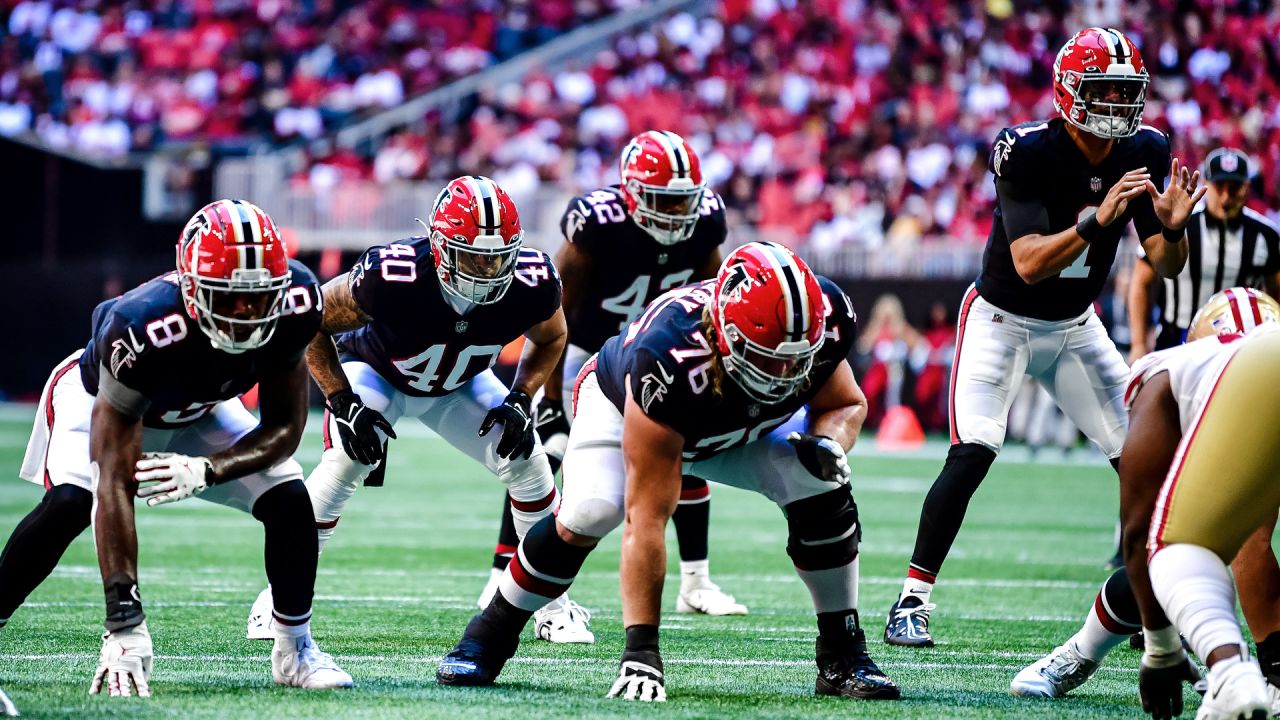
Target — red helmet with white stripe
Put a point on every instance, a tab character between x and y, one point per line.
770	320
233	270
475	231
1100	83
1234	310
662	185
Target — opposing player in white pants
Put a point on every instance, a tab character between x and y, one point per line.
419	323
1068	189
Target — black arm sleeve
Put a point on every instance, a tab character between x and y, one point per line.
1022	215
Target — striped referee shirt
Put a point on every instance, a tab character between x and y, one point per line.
1239	252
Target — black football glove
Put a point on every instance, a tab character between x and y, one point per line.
517	425
358	427
1160	683
823	457
553	430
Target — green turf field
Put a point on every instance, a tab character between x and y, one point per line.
398	584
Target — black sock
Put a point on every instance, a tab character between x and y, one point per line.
1269	657
838	626
38	542
507	538
543	554
291	548
944	507
693	518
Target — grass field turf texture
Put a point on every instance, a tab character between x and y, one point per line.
398	584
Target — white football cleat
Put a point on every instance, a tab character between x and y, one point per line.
299	662
7	708
707	598
563	621
1053	675
1236	692
490	589
262	623
1273	693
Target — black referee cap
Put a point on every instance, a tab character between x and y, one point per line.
1226	164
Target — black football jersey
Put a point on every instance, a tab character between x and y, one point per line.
629	269
416	340
1043	165
666	360
146	340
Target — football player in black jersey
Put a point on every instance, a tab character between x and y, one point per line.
742	380
624	246
418	325
150	408
1067	189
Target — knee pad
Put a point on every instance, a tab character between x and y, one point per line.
967	464
72	505
823	530
592	517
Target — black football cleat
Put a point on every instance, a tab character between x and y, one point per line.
478	657
908	623
848	671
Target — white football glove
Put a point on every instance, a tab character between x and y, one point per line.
125	662
638	681
823	457
168	477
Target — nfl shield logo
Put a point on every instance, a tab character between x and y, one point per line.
662	258
753	410
1229	162
1095	184
460	326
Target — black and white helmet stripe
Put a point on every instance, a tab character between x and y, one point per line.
488	209
677	153
796	309
1117	46
247	232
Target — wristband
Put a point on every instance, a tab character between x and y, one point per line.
1165	641
124	605
1173	236
641	638
1089	229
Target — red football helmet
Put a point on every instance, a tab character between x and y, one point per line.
1100	83
475	231
770	316
662	185
233	270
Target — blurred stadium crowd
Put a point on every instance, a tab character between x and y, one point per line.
839	121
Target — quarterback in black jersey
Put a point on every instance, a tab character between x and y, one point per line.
418	324
742	380
149	408
1067	190
625	245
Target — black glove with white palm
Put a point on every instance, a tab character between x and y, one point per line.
553	429
1165	666
823	457
358	427
517	425
639	677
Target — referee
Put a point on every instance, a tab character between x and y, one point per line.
1230	246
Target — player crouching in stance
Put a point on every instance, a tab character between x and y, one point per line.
149	409
741	380
1197	411
420	323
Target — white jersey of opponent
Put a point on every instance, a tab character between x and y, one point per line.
1193	370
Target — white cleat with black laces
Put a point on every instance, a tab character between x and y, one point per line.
908	623
1053	675
299	662
1237	691
563	621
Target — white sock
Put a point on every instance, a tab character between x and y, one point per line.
1192	584
694	574
1093	640
916	588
